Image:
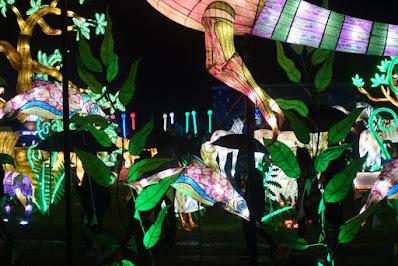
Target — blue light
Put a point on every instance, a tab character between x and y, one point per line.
124	125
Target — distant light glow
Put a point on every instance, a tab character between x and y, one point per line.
23	222
171	118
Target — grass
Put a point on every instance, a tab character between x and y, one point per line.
219	240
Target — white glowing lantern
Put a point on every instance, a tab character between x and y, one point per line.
165	122
171	118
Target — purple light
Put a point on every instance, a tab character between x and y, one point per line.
354	35
392	41
308	25
268	18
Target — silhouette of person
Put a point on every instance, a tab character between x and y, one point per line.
307	202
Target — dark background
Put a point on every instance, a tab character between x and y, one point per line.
172	74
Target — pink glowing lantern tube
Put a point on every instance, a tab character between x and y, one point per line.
132	116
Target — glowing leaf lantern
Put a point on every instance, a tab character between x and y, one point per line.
153	234
341	183
283	157
151	196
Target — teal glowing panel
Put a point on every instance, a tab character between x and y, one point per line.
332	31
284	24
378	38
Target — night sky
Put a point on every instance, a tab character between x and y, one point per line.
172	72
172	75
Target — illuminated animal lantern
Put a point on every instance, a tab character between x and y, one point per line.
291	21
386	185
221	152
45	100
209	186
368	145
203	184
16	184
288	186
